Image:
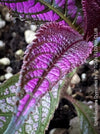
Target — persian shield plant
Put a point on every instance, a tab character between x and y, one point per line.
58	49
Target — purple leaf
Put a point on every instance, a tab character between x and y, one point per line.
36	11
91	17
56	51
32	9
12	1
74	11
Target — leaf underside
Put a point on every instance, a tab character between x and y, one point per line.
47	10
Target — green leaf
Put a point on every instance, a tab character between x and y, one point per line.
86	116
38	120
7	101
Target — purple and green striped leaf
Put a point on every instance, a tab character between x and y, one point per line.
57	50
91	18
48	10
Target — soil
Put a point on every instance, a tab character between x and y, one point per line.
84	90
12	44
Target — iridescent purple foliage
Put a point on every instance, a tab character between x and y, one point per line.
55	52
31	9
